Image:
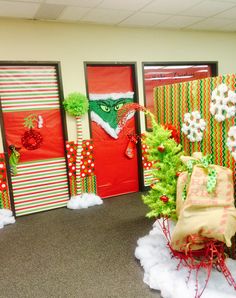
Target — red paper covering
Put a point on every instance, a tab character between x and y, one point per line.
116	173
51	146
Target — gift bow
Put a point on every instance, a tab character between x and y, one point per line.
205	163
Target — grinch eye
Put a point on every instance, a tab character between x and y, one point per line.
118	106
105	108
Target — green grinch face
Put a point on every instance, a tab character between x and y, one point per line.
107	109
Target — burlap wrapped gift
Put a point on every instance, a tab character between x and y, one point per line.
204	215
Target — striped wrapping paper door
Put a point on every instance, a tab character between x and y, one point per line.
173	101
21	84
41	181
40	186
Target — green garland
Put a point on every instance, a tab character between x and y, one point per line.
76	104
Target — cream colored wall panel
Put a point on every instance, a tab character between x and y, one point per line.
72	44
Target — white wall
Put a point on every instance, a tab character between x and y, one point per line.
72	44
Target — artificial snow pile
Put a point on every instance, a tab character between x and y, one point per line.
84	201
6	217
160	271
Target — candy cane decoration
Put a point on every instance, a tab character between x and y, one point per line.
78	154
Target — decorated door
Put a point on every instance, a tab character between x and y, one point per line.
34	137
115	152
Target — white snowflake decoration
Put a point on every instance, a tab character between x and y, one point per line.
193	126
223	102
231	141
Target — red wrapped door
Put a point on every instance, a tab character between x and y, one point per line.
116	160
33	125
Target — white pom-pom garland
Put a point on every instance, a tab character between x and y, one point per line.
193	126
231	141
223	102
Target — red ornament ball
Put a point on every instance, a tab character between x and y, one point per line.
164	198
161	148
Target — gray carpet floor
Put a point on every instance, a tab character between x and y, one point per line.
76	253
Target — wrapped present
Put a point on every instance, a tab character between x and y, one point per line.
205	205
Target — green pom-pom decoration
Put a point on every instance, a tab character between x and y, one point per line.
76	104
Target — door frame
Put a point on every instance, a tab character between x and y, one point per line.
133	66
212	64
57	66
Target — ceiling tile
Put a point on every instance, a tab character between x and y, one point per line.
81	3
106	16
231	13
144	19
208	8
73	13
37	1
18	9
132	5
232	1
211	24
169	6
49	11
179	22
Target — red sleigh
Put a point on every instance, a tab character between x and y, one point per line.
212	255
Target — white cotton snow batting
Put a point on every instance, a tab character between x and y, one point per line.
6	217
160	271
84	201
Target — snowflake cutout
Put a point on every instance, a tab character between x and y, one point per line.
231	141
223	102
193	126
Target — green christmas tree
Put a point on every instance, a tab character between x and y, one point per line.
165	154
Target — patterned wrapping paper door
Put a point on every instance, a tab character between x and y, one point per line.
4	196
173	101
30	92
88	179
